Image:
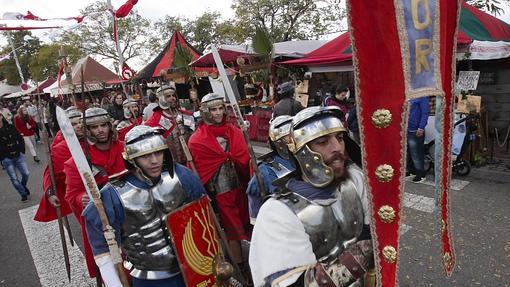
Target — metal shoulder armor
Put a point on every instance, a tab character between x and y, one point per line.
332	224
145	239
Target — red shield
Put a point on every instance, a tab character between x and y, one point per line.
196	241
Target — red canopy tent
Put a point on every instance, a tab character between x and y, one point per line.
474	25
165	60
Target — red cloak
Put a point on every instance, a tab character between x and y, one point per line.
59	155
208	156
123	131
110	162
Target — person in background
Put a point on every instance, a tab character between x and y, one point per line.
352	124
418	117
132	118
26	127
285	102
32	112
222	163
274	165
340	101
153	103
116	109
12	156
6	113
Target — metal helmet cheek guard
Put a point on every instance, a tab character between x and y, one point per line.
208	101
161	92
279	128
143	140
308	125
95	116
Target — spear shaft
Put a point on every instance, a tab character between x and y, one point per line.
53	191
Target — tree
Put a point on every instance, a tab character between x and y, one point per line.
95	36
492	6
25	49
200	32
44	63
289	19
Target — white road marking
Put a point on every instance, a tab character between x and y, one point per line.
418	202
46	248
404	229
456	184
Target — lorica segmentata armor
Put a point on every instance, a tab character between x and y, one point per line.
332	224
145	239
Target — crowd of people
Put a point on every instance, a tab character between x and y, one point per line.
307	221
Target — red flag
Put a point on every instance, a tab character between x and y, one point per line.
402	50
124	10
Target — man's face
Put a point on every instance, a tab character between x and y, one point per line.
100	131
217	113
78	127
171	99
332	149
151	164
134	110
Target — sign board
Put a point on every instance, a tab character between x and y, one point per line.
468	80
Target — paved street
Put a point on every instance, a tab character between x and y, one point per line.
31	256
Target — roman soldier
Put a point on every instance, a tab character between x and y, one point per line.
59	155
137	204
132	118
177	123
274	165
222	161
315	230
104	151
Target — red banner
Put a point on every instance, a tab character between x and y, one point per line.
402	50
196	241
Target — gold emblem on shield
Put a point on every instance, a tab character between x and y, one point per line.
199	262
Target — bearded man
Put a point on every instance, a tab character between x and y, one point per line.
105	154
132	118
176	122
315	230
222	161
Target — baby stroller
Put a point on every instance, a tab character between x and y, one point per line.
463	135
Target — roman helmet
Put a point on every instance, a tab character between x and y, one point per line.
310	124
208	101
279	128
74	114
142	140
94	116
126	105
161	92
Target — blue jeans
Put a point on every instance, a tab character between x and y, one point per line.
19	163
415	154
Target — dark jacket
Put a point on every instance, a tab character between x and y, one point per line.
116	112
287	106
11	142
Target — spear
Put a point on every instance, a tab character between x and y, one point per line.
53	190
239	116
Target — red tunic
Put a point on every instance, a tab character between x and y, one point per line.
110	162
59	155
57	139
164	121
208	156
122	132
26	129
